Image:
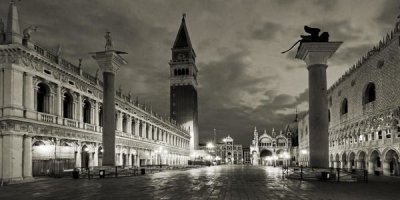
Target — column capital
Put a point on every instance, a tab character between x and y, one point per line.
109	61
317	52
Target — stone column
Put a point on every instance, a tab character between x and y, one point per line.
137	122
316	55
370	167
129	124
151	134
79	111
1	97
119	121
12	157
144	124
28	96
109	62
59	104
78	156
386	167
27	168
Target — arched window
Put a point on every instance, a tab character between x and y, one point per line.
101	116
42	98
125	124
187	71
175	72
344	107
87	108
179	72
329	115
68	105
369	93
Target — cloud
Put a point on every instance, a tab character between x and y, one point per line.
267	31
387	15
339	30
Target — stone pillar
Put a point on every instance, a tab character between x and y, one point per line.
27	162
79	111
370	167
151	134
316	55
144	124
137	122
119	121
386	167
129	124
13	90
59	99
109	62
28	96
78	156
12	157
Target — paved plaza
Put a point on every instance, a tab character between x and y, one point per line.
218	182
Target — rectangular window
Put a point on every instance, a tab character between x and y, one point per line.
366	138
380	135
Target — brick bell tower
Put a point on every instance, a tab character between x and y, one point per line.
183	83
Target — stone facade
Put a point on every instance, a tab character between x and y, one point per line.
270	149
364	112
51	116
228	152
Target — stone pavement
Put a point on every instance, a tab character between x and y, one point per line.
217	182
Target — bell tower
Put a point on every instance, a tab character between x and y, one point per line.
183	84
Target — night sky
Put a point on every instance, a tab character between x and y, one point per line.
244	80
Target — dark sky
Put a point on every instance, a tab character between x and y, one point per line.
244	80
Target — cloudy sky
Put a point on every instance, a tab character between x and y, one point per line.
244	80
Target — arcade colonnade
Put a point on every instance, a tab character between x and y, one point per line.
376	161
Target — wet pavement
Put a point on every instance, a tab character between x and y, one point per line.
217	182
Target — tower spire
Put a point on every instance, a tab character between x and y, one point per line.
13	29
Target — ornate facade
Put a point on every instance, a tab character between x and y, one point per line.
51	115
270	149
364	114
228	152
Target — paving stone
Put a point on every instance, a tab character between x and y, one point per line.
218	182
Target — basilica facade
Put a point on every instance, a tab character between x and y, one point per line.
51	115
270	149
364	113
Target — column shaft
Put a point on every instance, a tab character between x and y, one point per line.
27	169
318	116
109	119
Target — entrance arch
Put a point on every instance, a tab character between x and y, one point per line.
352	162
85	157
343	161
374	164
391	163
266	157
361	160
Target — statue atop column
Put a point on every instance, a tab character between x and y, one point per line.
313	37
109	42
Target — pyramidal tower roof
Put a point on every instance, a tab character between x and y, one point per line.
13	19
182	39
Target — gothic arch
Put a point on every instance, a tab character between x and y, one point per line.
344	107
369	94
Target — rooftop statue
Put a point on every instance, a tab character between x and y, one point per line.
28	31
313	37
